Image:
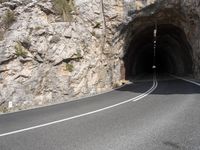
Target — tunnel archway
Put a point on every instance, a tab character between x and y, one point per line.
173	52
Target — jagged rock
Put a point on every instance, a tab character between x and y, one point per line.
46	7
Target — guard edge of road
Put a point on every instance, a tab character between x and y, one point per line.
70	100
137	98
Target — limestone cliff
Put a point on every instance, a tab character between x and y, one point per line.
49	56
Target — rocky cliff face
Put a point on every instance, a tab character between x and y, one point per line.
44	59
47	56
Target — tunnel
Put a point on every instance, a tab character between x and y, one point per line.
173	54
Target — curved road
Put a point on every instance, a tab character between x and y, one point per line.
139	116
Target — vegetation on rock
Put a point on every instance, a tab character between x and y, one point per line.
1	35
78	55
8	18
20	50
64	8
97	25
2	1
69	67
7	21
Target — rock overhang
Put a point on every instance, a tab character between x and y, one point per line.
174	38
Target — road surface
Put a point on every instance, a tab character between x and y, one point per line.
162	114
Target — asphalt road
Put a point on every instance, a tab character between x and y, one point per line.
166	119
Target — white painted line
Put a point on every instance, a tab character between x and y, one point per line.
85	114
193	82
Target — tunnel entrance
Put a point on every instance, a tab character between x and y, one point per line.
173	52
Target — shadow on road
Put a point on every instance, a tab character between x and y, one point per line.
166	86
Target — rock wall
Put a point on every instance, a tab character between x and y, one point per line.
44	60
183	14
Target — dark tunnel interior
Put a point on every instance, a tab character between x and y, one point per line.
173	52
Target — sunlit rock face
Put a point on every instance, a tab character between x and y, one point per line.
45	60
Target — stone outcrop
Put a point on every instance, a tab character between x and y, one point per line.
44	60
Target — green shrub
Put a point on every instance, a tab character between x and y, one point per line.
20	50
64	8
8	18
69	67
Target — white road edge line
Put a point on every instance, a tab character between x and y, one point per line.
137	98
193	82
